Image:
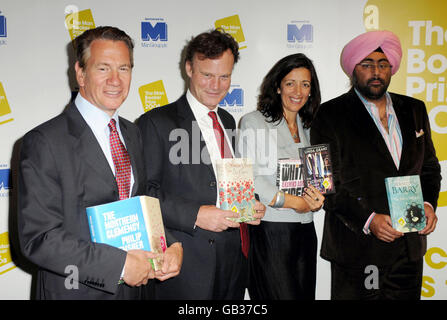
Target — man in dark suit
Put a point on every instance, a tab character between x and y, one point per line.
180	150
69	163
374	134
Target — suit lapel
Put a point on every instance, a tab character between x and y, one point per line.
407	129
133	151
187	121
88	148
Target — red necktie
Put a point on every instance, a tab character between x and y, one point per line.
121	160
225	152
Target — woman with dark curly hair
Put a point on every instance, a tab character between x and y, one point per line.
283	249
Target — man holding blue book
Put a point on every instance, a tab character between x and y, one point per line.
373	135
84	157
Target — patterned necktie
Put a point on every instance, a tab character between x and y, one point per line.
225	152
121	160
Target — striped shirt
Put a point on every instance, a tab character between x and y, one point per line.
392	138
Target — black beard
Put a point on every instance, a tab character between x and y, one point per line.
367	92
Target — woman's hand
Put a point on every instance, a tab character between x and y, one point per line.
313	197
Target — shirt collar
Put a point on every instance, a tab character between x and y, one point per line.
200	110
389	102
95	117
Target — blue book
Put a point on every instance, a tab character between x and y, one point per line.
134	223
406	203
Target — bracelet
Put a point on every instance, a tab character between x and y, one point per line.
280	199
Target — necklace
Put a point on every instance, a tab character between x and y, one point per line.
293	131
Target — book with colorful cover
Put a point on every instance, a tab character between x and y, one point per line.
133	223
406	203
317	167
236	187
289	176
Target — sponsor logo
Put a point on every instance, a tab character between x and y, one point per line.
5	110
154	33
153	95
232	25
300	34
76	22
423	69
6	263
233	100
436	259
3	29
5	179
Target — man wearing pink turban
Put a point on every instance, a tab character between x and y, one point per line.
358	48
374	134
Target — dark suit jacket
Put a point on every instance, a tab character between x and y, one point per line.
181	175
63	170
361	162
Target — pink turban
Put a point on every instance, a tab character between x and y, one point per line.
363	45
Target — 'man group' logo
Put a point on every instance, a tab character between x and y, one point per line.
300	34
5	178
154	33
3	31
5	182
234	99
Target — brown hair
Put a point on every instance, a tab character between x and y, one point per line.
269	101
210	45
82	43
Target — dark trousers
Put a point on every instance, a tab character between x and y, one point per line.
231	269
400	281
282	261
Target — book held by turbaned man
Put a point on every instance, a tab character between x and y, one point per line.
406	203
317	167
133	223
236	187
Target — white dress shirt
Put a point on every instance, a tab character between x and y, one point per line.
205	124
98	121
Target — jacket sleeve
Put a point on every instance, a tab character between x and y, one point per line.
178	213
431	170
349	207
44	236
257	147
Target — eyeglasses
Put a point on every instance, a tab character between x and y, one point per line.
382	66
